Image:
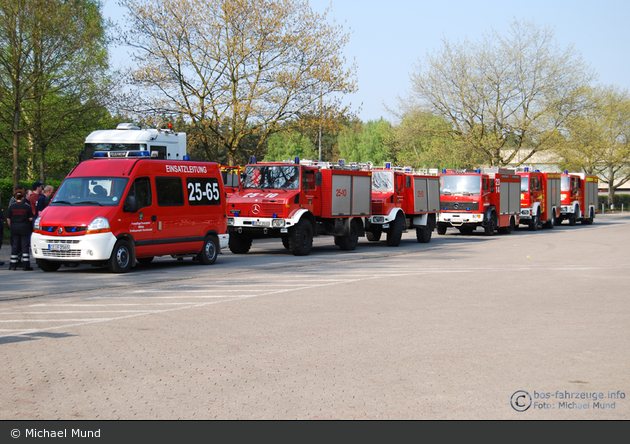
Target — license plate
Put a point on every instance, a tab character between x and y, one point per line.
261	223
59	247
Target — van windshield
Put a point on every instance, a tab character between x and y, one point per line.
278	177
97	191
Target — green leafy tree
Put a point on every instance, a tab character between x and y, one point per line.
53	56
503	92
423	140
365	142
598	139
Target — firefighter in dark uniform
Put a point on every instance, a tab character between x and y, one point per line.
20	221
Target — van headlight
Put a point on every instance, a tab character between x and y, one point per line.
98	225
36	224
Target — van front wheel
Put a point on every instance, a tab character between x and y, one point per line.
120	260
209	252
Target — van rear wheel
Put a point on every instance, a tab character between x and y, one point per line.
209	252
120	260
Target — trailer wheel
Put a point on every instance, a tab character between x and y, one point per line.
349	243
573	216
208	255
423	234
552	221
394	235
509	228
239	243
46	265
589	220
301	238
373	236
441	228
120	260
533	225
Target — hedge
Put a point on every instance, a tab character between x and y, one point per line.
618	201
7	189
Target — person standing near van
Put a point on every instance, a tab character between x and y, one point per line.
44	200
20	221
38	189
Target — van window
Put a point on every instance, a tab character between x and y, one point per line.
141	188
169	191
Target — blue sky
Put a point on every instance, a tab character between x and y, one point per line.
389	37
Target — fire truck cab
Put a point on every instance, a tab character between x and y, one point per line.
402	199
540	198
487	198
117	212
297	200
579	198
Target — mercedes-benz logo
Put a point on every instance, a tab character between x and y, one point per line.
60	230
255	208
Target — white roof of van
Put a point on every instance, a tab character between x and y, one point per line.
121	136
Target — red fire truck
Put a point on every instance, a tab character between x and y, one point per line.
487	198
401	199
298	200
540	198
231	178
579	198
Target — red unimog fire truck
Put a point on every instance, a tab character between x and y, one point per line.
540	198
401	199
298	200
579	198
487	198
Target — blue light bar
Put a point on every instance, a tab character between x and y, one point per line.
297	160
388	165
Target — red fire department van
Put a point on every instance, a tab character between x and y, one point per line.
540	198
298	200
401	199
579	198
487	198
119	211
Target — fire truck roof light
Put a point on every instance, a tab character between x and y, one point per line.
388	165
444	170
566	171
526	169
341	161
252	160
297	160
186	157
478	170
538	171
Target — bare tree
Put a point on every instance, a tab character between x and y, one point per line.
503	91
233	68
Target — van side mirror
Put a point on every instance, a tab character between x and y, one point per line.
318	179
131	205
